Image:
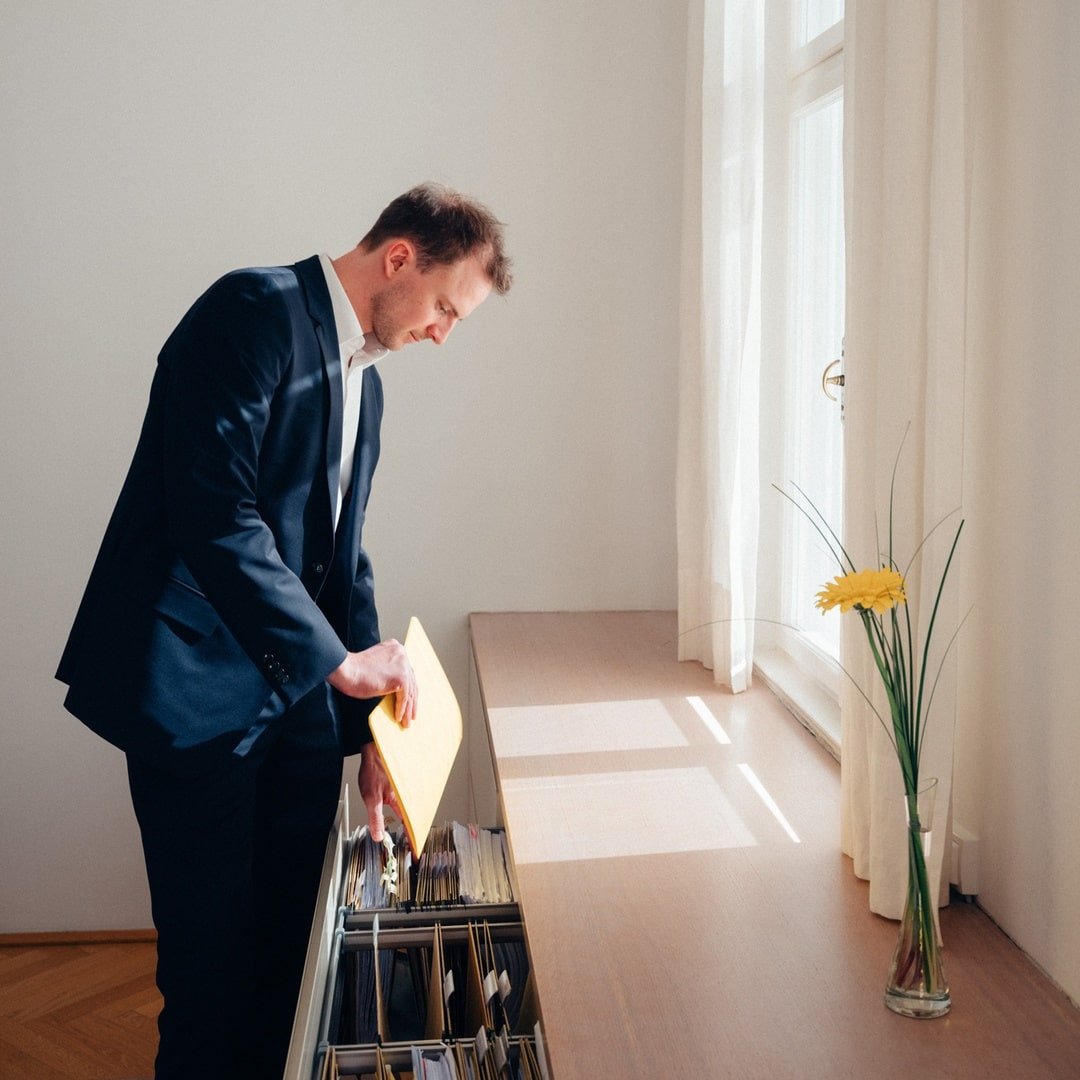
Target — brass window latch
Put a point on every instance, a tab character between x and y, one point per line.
828	380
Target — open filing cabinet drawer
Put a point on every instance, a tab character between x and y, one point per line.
385	985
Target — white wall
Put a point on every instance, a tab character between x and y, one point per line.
527	464
1018	732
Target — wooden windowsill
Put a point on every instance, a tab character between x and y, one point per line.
687	908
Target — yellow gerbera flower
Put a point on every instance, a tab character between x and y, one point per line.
865	590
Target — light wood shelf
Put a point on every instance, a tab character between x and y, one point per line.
675	926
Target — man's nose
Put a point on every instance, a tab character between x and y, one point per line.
439	332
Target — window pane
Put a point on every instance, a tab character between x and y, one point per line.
817	327
812	17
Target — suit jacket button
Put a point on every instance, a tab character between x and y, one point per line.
318	568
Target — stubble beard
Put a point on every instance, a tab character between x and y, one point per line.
385	322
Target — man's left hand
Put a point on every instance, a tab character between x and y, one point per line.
375	790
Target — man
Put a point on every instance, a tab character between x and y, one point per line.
228	640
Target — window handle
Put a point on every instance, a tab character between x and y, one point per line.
828	380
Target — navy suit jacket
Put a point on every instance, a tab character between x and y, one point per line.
222	595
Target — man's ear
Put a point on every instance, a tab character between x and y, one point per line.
398	255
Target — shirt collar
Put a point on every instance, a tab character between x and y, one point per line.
356	347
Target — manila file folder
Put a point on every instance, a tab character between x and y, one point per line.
418	758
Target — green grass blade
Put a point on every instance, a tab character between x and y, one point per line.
806	514
941	666
822	519
933	614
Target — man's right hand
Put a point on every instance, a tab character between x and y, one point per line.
382	669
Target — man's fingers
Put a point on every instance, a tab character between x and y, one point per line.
376	822
405	703
382	669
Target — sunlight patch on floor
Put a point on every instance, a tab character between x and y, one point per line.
608	815
769	801
588	727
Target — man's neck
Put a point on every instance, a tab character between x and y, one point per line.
358	271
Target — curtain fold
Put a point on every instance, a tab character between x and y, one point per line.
908	139
720	349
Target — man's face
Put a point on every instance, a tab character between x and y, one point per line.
415	306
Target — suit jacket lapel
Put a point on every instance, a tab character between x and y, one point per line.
310	274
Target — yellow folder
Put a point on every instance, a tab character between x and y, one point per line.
418	758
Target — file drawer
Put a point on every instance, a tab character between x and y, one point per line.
448	978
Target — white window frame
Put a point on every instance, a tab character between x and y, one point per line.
803	675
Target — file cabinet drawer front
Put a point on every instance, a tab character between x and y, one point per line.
322	949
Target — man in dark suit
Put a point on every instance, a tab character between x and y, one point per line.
228	640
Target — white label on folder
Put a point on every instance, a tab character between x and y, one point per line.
504	986
448	986
500	1053
481	1043
491	986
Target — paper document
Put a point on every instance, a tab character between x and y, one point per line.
418	758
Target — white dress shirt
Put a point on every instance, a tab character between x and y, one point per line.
358	351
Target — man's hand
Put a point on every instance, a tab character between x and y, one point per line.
382	669
375	790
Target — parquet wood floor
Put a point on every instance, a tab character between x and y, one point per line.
85	1011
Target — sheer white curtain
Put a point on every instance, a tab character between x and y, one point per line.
908	136
717	481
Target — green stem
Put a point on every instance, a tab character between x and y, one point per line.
900	666
809	517
919	964
903	748
933	618
917	718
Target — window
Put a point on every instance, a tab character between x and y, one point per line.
804	296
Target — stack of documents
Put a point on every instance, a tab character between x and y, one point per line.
368	878
437	882
433	1064
515	1058
461	864
483	865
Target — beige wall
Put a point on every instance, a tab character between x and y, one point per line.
1018	752
527	464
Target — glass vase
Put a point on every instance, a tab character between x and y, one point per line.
917	985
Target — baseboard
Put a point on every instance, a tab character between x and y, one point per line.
810	704
79	937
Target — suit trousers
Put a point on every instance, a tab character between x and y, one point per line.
233	858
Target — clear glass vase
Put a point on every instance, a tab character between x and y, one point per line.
917	985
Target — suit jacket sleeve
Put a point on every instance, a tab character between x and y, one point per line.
224	363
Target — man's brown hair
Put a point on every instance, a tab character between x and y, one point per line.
446	227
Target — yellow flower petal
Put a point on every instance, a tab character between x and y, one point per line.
864	590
